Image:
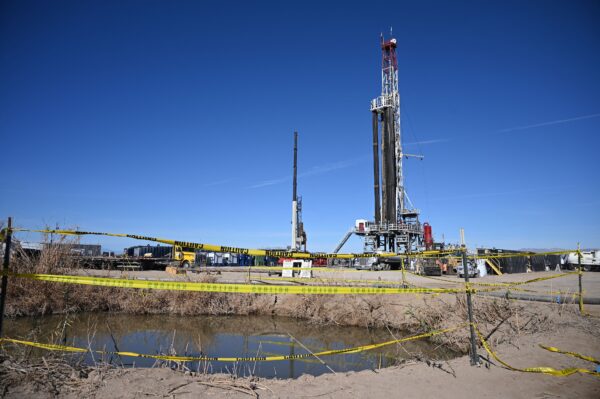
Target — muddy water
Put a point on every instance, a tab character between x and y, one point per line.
221	336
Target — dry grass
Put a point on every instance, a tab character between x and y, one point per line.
32	298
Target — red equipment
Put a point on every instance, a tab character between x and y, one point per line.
427	236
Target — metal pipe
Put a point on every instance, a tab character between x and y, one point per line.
376	168
384	168
560	299
385	164
393	167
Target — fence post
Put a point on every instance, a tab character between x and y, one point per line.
5	264
474	357
580	277
403	277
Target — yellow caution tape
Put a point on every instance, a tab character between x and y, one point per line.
356	349
521	254
286	254
314	269
502	255
571	294
574	354
436	278
334	280
542	278
542	370
229	288
216	248
452	254
235	288
505	285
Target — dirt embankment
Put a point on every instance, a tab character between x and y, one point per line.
414	313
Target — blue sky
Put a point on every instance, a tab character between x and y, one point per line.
176	118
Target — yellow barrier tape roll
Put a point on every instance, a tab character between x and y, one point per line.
356	349
542	370
229	287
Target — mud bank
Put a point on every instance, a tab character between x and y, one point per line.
414	379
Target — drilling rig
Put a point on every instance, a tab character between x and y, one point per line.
396	227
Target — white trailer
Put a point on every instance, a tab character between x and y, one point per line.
297	268
590	260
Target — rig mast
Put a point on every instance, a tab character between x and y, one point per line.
298	233
396	224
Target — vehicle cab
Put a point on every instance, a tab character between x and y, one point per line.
183	256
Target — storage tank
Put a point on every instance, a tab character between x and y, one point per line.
427	236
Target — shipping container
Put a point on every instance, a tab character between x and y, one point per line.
517	264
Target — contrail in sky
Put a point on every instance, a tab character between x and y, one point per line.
499	193
218	183
512	129
432	141
556	122
315	170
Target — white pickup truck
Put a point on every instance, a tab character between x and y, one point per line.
472	267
